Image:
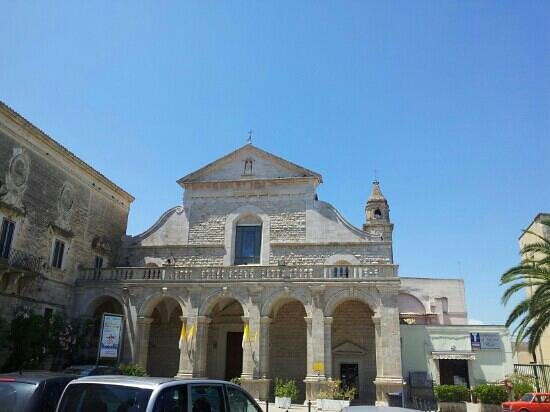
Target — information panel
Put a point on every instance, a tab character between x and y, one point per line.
111	336
485	340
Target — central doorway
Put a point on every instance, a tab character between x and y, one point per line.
349	376
233	355
453	372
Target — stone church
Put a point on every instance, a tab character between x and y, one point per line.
252	247
266	280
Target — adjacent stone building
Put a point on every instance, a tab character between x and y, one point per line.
56	213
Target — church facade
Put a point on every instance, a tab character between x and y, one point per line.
267	282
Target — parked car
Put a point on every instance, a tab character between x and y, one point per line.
32	391
92	370
144	394
530	402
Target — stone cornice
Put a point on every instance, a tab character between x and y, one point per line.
313	244
42	138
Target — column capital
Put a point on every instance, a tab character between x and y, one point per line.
376	319
245	319
265	320
308	320
145	320
204	319
328	320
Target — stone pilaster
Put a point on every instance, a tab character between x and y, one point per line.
328	347
315	376
144	327
251	349
388	355
265	325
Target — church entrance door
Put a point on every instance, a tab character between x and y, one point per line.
233	355
349	376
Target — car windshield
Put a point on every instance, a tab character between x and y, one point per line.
15	395
84	397
528	397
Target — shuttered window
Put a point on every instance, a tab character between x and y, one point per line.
6	237
58	253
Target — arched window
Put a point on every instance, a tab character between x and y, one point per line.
377	214
248	240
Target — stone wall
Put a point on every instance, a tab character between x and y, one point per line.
49	194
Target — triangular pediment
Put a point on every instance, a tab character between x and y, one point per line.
248	163
349	348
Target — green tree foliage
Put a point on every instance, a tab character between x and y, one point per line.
286	389
132	369
532	314
492	394
452	393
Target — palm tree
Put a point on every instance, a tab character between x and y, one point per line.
533	273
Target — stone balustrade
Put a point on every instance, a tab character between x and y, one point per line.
237	273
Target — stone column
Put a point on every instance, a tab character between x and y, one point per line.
185	369
200	346
328	347
254	378
388	355
315	378
265	325
144	327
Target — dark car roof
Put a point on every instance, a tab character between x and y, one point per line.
35	376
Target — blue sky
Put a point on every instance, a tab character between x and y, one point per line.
449	101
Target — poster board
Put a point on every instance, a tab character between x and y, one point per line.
110	338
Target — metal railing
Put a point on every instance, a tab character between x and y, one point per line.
537	374
20	260
197	273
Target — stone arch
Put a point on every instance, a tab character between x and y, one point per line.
373	302
353	347
230	227
94	301
224	349
210	301
165	312
288	341
408	303
152	300
95	307
335	259
280	297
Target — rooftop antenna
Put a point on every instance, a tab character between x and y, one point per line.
249	138
375	178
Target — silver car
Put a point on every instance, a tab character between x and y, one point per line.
137	394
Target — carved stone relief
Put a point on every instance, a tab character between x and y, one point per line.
11	191
65	207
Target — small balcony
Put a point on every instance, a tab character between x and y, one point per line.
237	273
17	268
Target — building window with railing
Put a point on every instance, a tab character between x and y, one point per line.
6	237
59	249
340	272
248	241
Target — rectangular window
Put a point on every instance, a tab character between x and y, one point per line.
58	252
248	243
98	262
6	237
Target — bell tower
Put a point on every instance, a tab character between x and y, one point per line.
377	213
